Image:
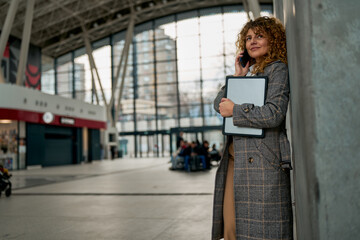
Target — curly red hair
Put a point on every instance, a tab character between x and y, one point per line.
274	31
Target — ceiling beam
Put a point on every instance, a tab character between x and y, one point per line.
66	43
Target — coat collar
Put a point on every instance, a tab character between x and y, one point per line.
267	67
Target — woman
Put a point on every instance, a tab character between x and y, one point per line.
252	189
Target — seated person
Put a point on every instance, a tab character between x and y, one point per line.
4	172
214	153
178	156
193	151
204	150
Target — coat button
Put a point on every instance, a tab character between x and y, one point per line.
251	159
246	110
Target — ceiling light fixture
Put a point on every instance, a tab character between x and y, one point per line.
5	121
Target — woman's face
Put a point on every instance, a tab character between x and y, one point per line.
256	45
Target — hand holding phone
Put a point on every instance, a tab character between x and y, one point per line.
245	58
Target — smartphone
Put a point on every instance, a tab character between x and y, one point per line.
245	58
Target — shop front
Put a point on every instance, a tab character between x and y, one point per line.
9	143
38	129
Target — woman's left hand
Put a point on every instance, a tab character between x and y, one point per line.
226	107
240	70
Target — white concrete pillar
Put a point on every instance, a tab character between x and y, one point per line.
5	31
25	42
253	8
124	54
92	62
324	58
127	43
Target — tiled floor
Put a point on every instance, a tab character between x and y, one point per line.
121	199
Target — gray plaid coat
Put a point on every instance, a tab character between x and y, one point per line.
261	186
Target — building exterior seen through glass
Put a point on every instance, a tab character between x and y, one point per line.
176	64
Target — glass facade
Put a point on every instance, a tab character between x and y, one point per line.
9	144
175	66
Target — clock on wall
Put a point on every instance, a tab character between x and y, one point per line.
48	117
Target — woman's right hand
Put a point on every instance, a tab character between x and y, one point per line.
239	70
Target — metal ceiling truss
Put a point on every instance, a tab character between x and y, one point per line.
56	26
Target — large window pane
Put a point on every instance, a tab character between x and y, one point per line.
146	121
166	77
211	28
126	117
165	67
144	32
210	90
83	81
145	69
192	111
194	51
145	80
102	58
230	64
47	75
233	15
215	138
212	118
79	78
187	24
191	115
165	49
213	68
144	52
126	111
145	108
188	47
165	27
188	76
65	76
167	95
189	93
167	106
212	44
